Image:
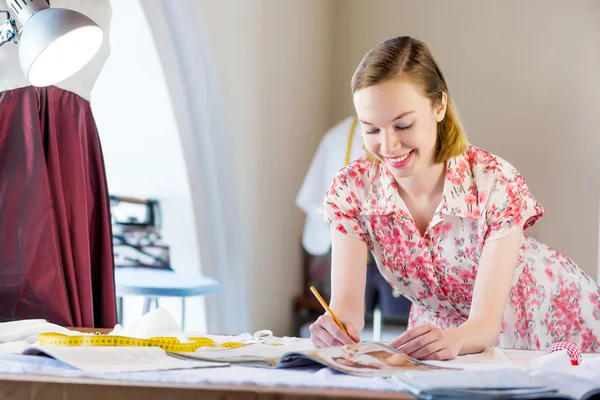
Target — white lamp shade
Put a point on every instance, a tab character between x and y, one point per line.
55	43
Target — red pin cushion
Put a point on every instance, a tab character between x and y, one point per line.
572	349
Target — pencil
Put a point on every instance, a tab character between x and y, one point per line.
326	307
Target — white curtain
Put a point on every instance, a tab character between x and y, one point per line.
183	48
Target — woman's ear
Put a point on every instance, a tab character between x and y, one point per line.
440	110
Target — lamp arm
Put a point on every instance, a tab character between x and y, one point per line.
8	30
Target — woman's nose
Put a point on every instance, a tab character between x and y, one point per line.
390	142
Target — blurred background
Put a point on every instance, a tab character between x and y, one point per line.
216	109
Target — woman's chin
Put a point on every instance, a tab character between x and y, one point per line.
405	172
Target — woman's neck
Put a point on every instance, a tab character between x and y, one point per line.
426	183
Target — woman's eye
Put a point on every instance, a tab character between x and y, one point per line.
405	127
372	131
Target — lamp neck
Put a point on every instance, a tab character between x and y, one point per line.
8	29
23	10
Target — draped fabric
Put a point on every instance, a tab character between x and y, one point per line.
56	259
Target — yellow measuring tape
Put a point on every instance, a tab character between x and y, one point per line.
350	140
166	343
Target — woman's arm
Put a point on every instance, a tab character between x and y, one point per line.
348	278
493	283
494	279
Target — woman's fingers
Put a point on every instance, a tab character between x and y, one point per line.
317	342
352	332
411	334
325	333
443	354
422	341
336	332
428	350
319	332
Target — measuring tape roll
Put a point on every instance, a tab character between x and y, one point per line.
166	343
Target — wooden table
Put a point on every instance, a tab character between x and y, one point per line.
28	387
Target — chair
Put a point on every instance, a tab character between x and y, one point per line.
142	261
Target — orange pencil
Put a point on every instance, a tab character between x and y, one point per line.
326	307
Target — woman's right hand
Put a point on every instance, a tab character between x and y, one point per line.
324	332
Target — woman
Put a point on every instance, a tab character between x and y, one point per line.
444	221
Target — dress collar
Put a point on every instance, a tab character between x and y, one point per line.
460	196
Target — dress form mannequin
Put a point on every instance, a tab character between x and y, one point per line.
55	236
340	145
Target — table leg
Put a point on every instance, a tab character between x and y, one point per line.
120	310
147	302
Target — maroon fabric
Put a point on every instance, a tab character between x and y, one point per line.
56	257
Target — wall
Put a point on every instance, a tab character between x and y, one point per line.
284	70
141	145
274	61
525	78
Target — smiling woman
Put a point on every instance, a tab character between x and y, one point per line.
444	220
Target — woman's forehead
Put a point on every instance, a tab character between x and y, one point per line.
382	103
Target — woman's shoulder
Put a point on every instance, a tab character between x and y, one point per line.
488	167
357	176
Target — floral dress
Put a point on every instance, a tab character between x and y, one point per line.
484	198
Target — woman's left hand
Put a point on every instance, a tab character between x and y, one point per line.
428	342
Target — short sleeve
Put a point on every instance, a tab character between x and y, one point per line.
341	207
511	206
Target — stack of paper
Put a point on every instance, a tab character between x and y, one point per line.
118	359
28	330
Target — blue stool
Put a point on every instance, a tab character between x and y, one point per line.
154	283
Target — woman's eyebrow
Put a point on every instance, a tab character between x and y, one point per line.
402	115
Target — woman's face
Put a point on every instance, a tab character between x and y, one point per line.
399	125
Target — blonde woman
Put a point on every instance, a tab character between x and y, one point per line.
445	222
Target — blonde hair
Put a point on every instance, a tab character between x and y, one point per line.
410	58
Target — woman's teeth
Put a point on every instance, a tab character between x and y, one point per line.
400	159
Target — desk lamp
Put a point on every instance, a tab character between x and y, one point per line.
54	43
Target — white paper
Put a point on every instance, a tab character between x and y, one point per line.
28	330
13	347
498	378
573	386
117	359
155	323
253	351
493	358
558	361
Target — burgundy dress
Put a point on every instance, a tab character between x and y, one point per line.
56	258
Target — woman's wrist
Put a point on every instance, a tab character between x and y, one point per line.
472	337
347	315
457	336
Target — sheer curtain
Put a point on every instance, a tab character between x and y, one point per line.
184	51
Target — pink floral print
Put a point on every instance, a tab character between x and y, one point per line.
485	198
